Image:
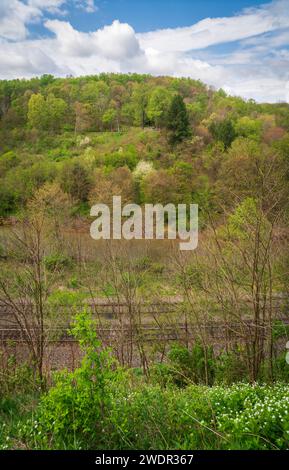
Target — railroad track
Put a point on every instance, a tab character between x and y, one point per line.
108	312
148	332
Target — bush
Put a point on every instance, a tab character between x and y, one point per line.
231	367
281	367
67	298
8	160
191	366
124	157
14	377
161	374
71	415
56	262
142	263
73	282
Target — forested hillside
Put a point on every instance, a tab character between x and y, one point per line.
148	139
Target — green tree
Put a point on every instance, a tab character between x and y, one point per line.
75	181
46	114
55	110
223	131
83	119
140	103
178	120
158	105
37	116
250	128
95	97
109	118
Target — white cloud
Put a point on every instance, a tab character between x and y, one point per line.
116	42
270	40
87	5
14	15
18	60
53	6
90	6
263	89
211	31
256	68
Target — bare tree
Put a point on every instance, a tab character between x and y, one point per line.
24	290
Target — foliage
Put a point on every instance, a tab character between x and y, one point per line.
188	366
72	413
177	120
223	131
158	106
75	180
147	417
250	128
57	261
46	114
204	418
45	123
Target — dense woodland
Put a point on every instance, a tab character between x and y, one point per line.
149	139
66	144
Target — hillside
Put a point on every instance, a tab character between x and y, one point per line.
98	135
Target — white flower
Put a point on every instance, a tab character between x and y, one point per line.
143	169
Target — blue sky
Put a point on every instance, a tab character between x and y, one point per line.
241	45
168	13
147	15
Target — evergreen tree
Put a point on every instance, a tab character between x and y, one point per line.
178	120
223	131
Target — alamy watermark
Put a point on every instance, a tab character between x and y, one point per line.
148	222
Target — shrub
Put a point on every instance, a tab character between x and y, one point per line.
281	367
161	374
67	298
191	366
231	367
56	262
143	263
73	282
8	160
19	391
71	415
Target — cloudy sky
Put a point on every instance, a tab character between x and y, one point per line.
241	45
